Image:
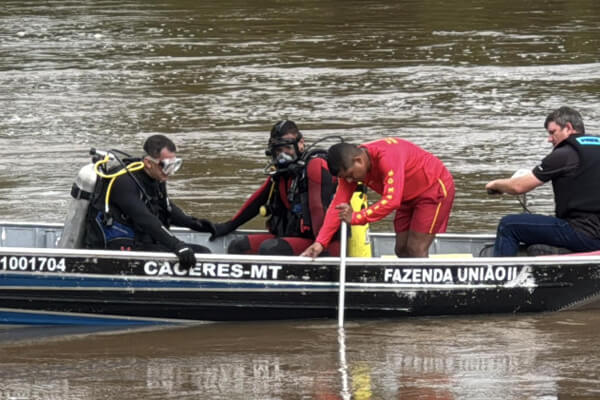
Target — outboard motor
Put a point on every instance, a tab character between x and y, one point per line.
75	221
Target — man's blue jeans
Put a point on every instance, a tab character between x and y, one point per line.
539	229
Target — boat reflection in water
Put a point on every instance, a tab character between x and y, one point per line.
441	358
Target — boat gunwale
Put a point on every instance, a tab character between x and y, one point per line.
307	261
58	225
385	260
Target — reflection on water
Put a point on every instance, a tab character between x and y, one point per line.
456	358
18	333
343	364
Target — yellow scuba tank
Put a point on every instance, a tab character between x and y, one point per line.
359	244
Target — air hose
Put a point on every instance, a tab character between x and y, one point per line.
134	166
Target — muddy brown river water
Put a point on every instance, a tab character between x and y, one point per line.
470	81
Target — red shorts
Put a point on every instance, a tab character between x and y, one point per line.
428	213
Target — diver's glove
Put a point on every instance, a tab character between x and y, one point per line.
203	225
221	230
185	254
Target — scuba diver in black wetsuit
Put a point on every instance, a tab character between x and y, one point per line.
134	212
295	197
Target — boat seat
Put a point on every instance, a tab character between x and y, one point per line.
536	250
441	255
451	255
587	253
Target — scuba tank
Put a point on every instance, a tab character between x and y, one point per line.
75	221
84	191
359	244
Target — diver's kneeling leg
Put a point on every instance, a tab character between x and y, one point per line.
275	247
239	246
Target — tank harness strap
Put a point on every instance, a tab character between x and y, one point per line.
77	193
134	166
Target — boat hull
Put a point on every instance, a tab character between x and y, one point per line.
54	286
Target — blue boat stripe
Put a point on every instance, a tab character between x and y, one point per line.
22	316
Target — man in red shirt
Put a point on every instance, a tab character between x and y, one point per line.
410	181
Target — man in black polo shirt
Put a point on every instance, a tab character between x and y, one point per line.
573	166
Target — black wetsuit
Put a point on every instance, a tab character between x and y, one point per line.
149	218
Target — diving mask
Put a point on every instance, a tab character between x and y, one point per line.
169	165
283	152
283	159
